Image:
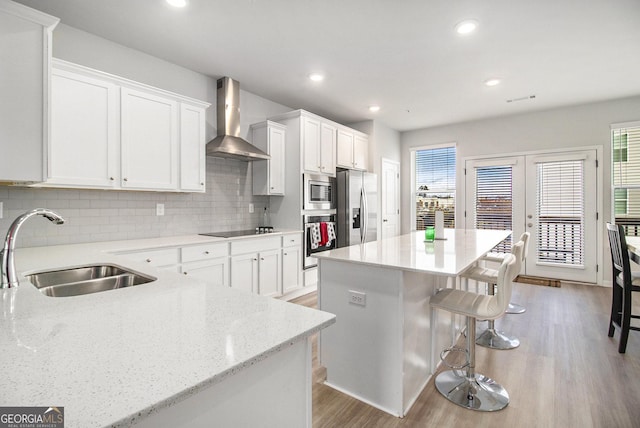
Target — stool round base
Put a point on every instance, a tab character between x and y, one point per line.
479	393
515	308
491	338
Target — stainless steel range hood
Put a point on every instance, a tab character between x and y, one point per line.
228	143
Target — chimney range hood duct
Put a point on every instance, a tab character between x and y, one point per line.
228	143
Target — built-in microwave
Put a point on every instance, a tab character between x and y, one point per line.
319	192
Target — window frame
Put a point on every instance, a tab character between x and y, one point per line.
413	151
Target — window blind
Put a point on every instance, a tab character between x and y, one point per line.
560	212
435	185
494	201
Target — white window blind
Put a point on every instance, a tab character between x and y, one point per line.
494	201
435	185
625	170
560	212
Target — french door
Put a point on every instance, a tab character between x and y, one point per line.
552	196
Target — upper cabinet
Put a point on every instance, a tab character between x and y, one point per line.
269	175
318	146
25	49
353	149
129	135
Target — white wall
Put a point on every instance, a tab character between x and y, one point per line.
575	126
110	215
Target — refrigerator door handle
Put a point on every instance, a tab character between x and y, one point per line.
364	215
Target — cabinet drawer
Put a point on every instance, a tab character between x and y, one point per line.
204	252
293	240
253	245
162	257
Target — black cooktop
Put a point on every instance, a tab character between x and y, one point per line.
234	233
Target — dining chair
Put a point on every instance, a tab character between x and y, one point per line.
624	284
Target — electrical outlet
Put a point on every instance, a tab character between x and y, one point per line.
357	298
1	209
250	208
159	209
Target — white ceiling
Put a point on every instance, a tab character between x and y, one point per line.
401	54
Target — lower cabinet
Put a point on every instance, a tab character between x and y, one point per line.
265	265
215	271
291	262
258	272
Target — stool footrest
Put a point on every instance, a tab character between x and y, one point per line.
447	351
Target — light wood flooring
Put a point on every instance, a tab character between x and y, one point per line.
566	372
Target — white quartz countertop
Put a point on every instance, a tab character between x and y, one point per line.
113	357
449	257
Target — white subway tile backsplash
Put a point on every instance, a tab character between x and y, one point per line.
98	215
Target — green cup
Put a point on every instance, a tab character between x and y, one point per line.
429	234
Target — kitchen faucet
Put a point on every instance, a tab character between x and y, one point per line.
8	267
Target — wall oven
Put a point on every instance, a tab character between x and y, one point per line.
319	192
311	222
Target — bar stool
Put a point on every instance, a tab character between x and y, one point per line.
492	338
513	308
472	390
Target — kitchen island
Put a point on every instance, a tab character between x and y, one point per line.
384	346
173	352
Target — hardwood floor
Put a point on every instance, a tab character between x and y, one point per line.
566	372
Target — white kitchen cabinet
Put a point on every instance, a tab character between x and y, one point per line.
269	273
149	148
214	271
268	175
361	152
328	149
129	135
291	262
244	272
345	148
207	262
25	49
318	146
84	117
352	149
192	148
256	265
163	258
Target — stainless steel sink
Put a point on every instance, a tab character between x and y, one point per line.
86	280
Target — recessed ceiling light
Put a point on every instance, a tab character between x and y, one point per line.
316	77
466	26
374	109
177	3
492	82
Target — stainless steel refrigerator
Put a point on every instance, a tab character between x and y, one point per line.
357	207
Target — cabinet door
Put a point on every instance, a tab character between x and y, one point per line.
24	88
311	144
83	127
149	141
269	282
291	262
244	272
192	150
360	152
328	149
276	163
215	271
345	149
